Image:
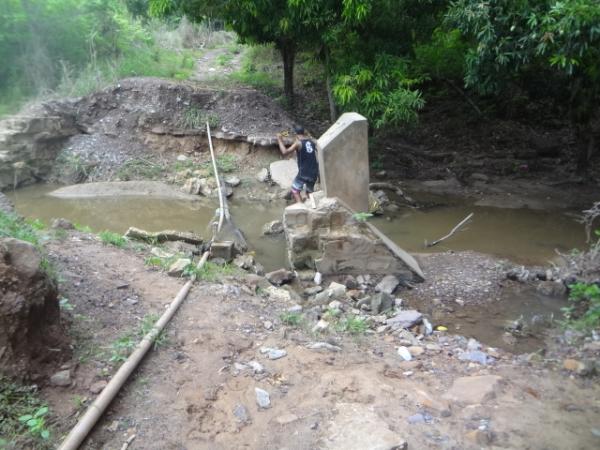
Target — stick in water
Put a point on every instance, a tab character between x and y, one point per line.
454	230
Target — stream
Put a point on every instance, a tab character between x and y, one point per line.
521	235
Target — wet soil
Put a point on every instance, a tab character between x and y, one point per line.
185	393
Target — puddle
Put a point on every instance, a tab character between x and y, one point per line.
152	214
521	235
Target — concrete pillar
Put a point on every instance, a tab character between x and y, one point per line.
344	161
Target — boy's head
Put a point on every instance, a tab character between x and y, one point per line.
298	129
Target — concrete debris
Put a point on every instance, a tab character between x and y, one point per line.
263	399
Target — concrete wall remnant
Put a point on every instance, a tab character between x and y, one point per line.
344	161
329	239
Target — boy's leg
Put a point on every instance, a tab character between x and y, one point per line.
297	186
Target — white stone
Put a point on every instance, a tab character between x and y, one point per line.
404	353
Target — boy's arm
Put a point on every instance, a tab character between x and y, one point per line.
286	151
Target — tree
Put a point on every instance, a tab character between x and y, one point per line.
559	39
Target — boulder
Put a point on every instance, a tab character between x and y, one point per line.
63	224
176	269
274	227
473	390
279	277
232	181
29	310
405	319
262	175
283	172
381	302
388	284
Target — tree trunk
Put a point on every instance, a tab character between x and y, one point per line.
587	145
332	107
288	54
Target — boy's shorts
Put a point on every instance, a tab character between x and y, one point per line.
299	183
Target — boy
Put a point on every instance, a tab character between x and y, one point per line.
308	167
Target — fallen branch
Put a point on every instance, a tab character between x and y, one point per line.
454	230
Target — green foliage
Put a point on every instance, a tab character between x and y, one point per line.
362	216
292	319
108	237
383	92
194	118
82	228
443	57
22	417
226	163
584	311
13	226
121	348
259	70
353	325
36	423
210	272
65	305
139	169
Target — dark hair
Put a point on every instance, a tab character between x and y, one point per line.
298	129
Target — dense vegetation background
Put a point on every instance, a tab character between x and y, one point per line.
379	57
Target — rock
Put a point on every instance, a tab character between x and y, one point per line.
98	386
573	365
182	158
405	319
404	353
63	224
262	398
305	275
336	290
473	390
552	288
274	227
268	325
479	177
320	326
278	294
256	367
176	269
273	353
62	378
318	278
358	426
163	236
416	350
475	356
245	261
473	344
335	305
160	253
381	302
283	172
350	282
279	277
286	418
295	309
192	186
427	327
419	418
241	414
388	284
232	181
323	346
430	403
312	290
29	309
262	175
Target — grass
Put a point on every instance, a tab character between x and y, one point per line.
23	417
139	169
194	118
210	272
259	70
82	228
13	226
110	238
353	325
122	347
292	319
226	163
583	312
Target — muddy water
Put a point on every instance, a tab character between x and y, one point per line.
521	235
117	214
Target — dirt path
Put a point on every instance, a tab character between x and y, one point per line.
216	63
198	390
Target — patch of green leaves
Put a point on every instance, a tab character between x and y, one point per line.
210	272
82	228
293	319
362	216
353	325
583	313
194	118
226	163
13	226
110	238
22	417
139	169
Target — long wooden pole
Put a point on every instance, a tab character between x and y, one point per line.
77	435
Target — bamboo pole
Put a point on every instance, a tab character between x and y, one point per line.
214	162
77	435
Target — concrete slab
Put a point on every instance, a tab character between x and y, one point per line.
344	161
283	172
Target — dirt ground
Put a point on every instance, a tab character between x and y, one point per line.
363	395
197	389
